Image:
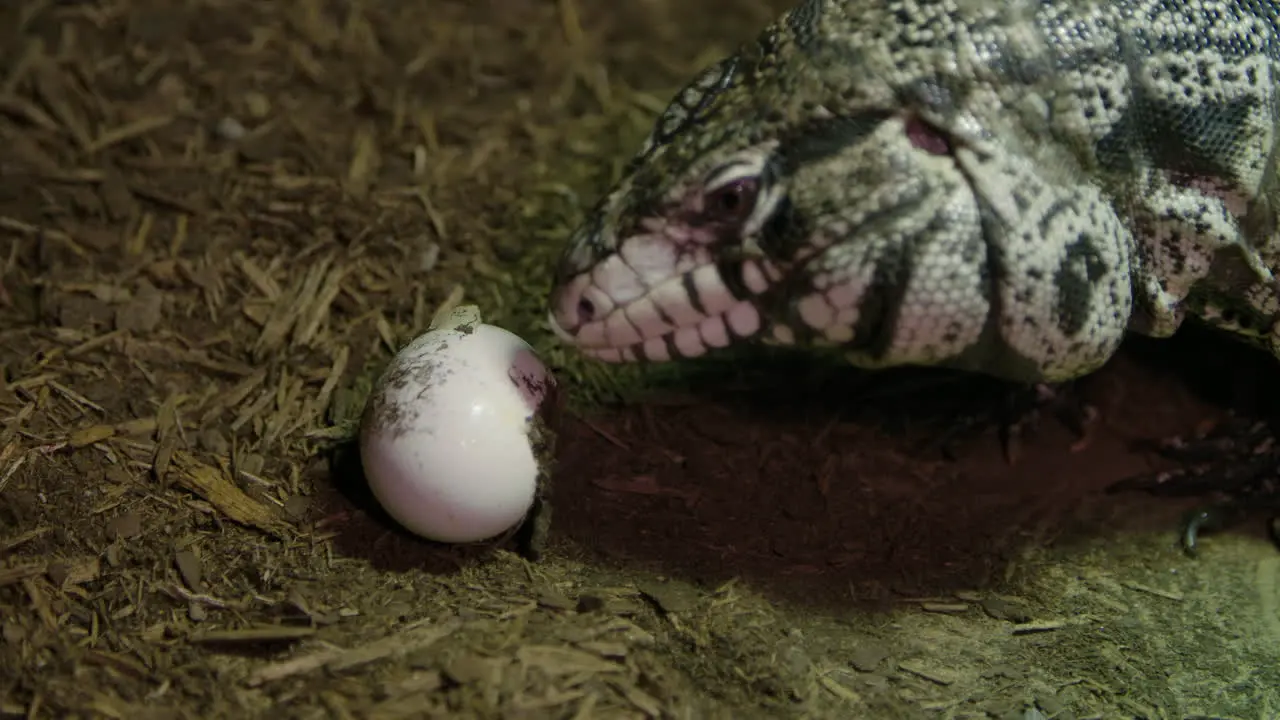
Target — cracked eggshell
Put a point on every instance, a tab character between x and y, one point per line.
447	438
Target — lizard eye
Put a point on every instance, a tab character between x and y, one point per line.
732	202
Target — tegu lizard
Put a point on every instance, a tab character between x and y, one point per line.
999	187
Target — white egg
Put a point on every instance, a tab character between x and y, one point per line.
447	440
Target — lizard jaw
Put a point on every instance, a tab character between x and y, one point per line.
740	321
636	316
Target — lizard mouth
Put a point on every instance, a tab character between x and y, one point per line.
654	300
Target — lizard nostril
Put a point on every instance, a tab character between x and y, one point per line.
586	311
927	138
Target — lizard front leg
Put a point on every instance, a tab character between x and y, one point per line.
1026	280
1195	261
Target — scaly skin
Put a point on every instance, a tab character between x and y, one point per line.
1005	188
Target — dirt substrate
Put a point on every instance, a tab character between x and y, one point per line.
219	219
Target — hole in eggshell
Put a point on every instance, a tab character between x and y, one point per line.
529	377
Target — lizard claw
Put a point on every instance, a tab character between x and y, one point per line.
1237	460
1209	518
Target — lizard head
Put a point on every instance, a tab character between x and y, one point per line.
748	175
843	183
669	262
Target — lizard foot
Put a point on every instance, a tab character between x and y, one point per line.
1237	462
1017	416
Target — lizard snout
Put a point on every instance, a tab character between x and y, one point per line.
577	306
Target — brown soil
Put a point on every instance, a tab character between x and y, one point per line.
219	218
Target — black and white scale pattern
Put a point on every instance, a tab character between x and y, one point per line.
1004	187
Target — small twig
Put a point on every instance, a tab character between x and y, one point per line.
602	433
1038	626
404	641
1177	597
20	540
17	226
